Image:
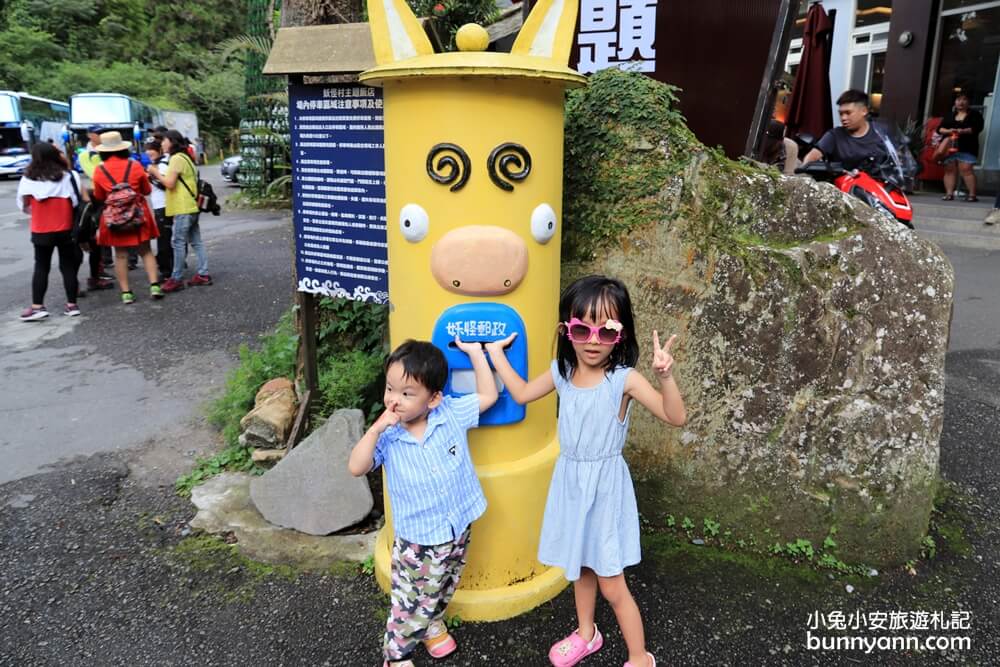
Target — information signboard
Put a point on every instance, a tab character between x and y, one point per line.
338	191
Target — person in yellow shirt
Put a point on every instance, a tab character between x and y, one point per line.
89	156
181	182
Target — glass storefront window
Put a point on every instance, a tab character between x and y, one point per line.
959	4
970	51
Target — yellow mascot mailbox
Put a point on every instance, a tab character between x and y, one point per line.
474	169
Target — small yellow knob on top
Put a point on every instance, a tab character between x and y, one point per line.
472	37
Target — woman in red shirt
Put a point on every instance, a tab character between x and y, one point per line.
48	191
116	166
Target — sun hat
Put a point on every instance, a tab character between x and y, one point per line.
111	142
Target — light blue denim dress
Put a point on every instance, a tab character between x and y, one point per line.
591	518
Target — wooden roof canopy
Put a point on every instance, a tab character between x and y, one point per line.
346	48
341	48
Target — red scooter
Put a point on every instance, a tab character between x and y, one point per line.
881	195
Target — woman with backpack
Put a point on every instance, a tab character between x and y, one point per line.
49	192
126	221
181	181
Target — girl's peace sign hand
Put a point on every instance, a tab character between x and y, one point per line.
663	361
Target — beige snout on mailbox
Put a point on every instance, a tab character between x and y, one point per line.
478	260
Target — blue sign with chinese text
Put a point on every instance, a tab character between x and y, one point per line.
338	190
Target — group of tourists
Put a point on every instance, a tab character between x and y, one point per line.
113	217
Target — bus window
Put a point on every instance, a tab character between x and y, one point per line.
99	109
8	109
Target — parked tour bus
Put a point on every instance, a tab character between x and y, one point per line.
132	118
112	111
25	119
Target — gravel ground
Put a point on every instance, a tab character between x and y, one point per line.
93	576
98	566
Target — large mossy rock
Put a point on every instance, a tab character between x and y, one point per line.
812	331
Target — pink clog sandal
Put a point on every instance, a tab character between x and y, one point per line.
652	661
571	650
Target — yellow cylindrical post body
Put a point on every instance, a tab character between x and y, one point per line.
474	169
514	461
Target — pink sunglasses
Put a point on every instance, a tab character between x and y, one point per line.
608	333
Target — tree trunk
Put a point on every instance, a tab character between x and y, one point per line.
319	12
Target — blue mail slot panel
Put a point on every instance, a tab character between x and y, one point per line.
484	323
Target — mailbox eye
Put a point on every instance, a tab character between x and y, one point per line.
414	223
543	223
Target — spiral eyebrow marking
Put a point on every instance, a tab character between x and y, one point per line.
508	162
444	168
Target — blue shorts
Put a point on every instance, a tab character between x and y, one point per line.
967	158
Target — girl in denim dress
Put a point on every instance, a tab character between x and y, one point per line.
591	522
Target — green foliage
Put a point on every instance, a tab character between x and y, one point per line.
928	547
450	15
350	380
345	324
800	550
617	129
234	457
350	348
351	339
160	53
275	358
368	566
24	53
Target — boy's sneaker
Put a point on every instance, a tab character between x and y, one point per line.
71	310
31	314
200	279
438	641
128	297
156	291
99	283
171	285
993	218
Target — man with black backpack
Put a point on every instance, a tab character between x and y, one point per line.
181	181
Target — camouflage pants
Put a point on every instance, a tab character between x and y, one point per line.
424	578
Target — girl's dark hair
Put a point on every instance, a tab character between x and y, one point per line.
597	297
423	362
177	141
47	163
125	153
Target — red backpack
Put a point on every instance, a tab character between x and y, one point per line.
123	207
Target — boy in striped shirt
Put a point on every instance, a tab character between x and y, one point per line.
433	489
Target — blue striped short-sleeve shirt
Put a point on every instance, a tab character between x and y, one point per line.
433	487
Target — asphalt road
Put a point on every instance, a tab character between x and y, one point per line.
91	572
120	377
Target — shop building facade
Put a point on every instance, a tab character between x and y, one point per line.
913	56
